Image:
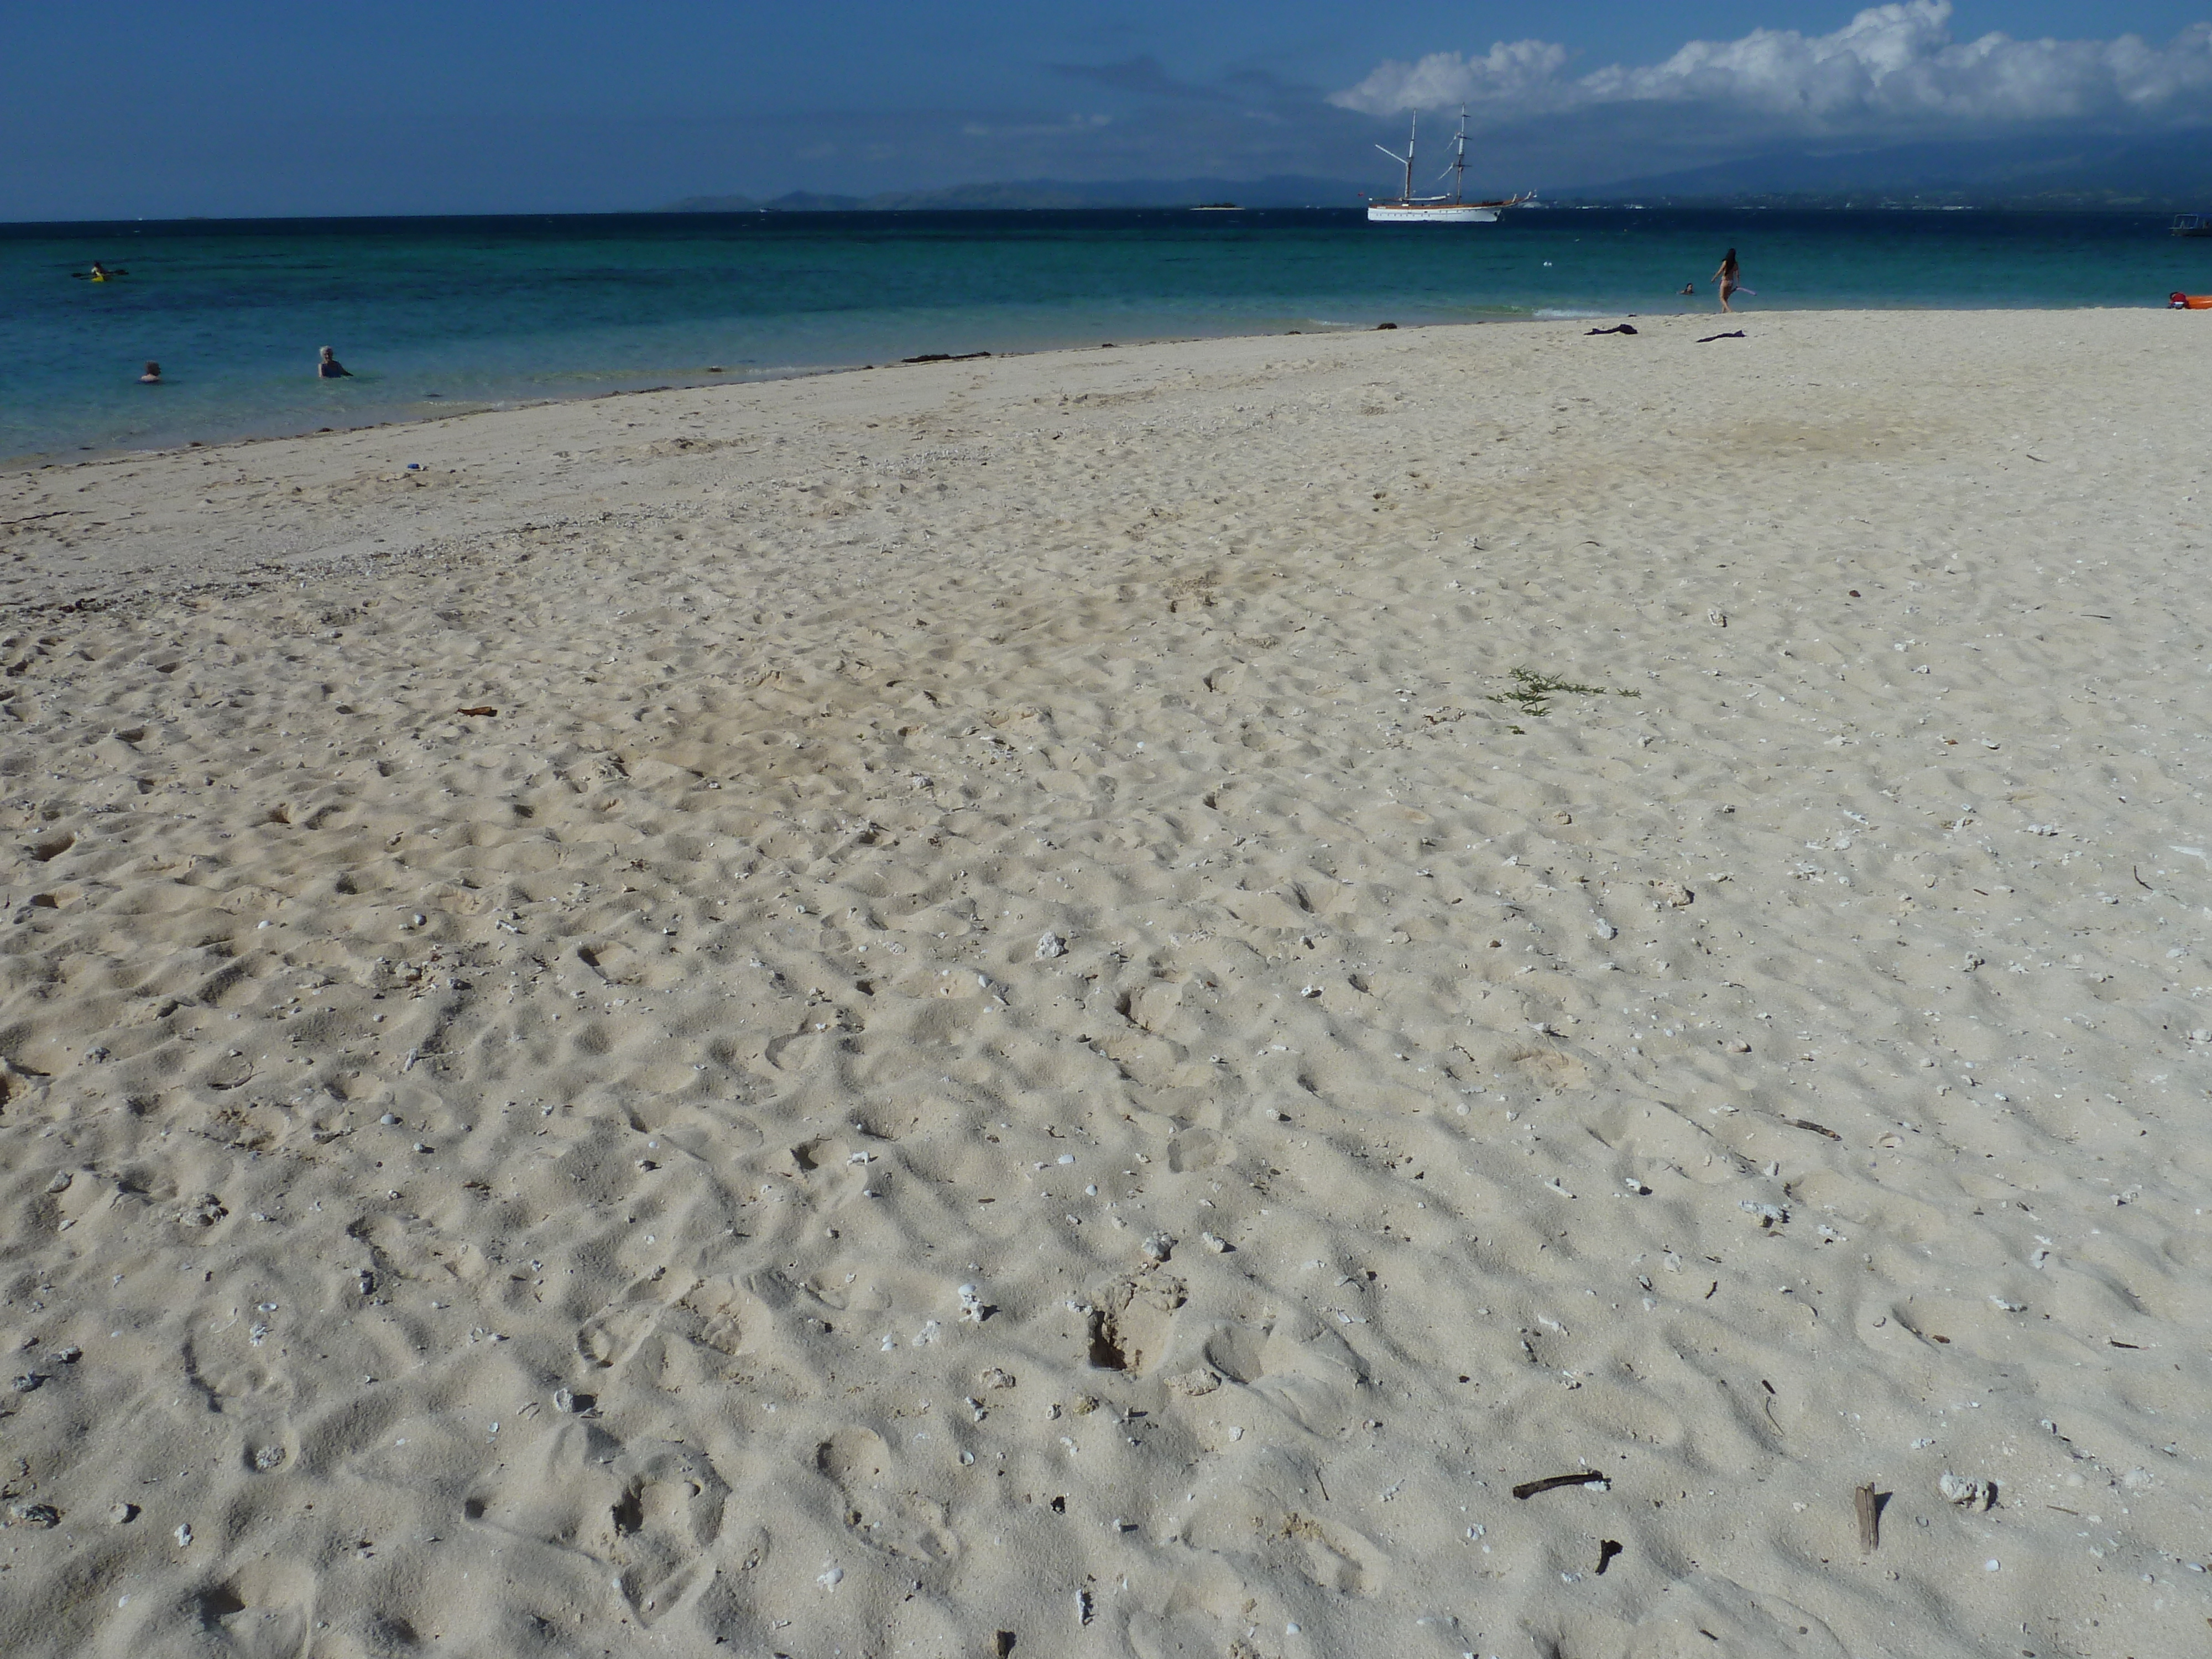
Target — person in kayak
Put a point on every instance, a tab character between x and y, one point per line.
329	368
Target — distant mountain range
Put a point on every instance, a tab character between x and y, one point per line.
1286	190
2172	171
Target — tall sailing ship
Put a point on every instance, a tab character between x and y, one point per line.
1453	210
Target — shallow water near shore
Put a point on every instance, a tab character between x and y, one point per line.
438	315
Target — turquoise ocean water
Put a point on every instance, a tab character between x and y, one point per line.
437	315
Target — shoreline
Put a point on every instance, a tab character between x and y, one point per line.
1127	997
36	460
367	462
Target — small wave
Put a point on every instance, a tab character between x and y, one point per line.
1568	314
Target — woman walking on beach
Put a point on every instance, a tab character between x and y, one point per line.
1729	278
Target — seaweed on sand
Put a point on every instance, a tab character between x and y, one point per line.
1531	692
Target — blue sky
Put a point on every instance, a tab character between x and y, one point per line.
245	107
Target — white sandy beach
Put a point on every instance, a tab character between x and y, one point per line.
503	1182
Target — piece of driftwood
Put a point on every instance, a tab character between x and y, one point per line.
1870	1513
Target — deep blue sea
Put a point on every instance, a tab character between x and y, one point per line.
436	315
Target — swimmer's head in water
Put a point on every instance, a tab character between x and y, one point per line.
328	353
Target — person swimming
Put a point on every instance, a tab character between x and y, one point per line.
329	368
1689	287
152	376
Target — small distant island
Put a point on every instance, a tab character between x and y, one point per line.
1210	195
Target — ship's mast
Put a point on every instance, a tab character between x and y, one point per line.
1458	160
1407	158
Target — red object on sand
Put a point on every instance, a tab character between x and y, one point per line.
2189	302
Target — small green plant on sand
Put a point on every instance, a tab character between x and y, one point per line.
1533	692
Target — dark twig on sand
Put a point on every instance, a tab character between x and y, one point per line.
1553	1483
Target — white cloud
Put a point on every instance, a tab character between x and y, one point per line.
1892	69
1515	72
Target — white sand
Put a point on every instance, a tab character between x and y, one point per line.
501	1181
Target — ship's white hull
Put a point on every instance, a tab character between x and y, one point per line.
1444	213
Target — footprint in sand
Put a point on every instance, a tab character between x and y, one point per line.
1129	1325
1194	1149
653	1512
668	1523
611	1338
264	1611
1331	1558
795	1052
877	1512
1310	1374
730	1319
1551	1068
